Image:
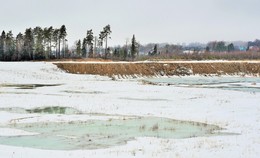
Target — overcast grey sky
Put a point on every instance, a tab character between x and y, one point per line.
172	21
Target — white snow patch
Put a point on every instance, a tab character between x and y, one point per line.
14	132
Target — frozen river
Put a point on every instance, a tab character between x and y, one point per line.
45	112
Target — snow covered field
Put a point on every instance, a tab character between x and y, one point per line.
236	111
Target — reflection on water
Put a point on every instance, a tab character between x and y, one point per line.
245	84
97	134
43	110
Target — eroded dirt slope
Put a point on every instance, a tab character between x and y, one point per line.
161	68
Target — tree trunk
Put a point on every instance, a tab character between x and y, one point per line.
4	50
106	49
99	47
86	50
63	41
50	49
56	48
95	47
46	51
59	50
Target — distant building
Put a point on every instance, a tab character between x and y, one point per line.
254	48
192	51
188	51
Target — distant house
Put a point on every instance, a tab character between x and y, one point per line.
192	51
254	48
188	51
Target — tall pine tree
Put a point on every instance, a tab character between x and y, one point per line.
134	48
84	47
90	39
19	46
28	45
104	35
62	36
2	45
10	46
78	47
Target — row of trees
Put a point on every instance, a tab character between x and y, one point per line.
220	47
91	46
35	44
153	49
50	43
88	46
124	53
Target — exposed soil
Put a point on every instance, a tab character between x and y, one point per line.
160	68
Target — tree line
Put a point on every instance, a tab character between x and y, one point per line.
88	46
92	46
34	44
220	47
50	43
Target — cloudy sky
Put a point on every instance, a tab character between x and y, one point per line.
157	21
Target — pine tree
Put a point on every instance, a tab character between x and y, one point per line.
207	49
125	52
55	39
39	43
90	39
116	52
2	45
231	47
155	49
62	37
10	46
78	48
28	45
134	47
48	33
220	46
83	49
91	50
19	46
100	41
104	35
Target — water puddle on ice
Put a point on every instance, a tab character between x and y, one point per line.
143	99
43	110
245	84
99	134
83	92
28	86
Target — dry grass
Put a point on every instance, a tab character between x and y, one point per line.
155	127
142	128
155	69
